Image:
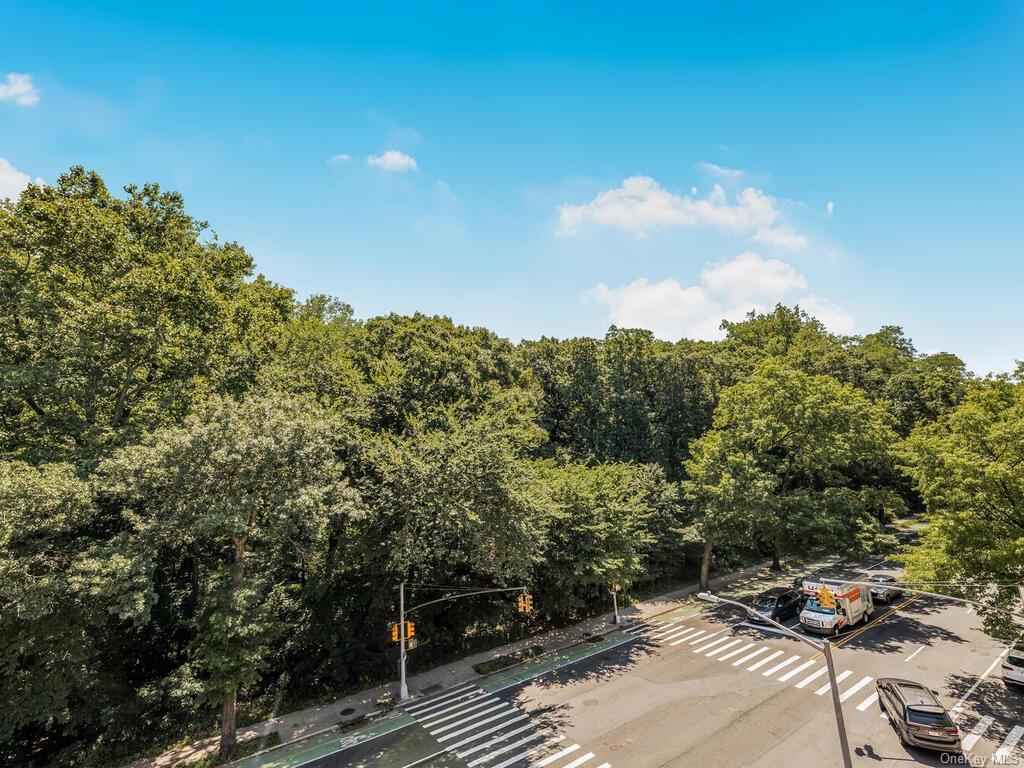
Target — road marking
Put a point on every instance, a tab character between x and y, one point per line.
494	707
968	610
812	676
579	761
770	628
691	637
429	721
694	641
453	734
749	656
713	643
450	707
464	690
958	708
738	651
605	765
679	635
638	629
855	687
508	748
797	671
558	755
772	670
920	648
765	660
496	740
868	702
839	678
1002	755
972	738
527	753
669	626
875	622
488	732
725	647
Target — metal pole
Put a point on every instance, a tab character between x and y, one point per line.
844	744
615	605
403	689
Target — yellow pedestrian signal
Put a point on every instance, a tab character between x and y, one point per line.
825	598
394	633
410	630
525	603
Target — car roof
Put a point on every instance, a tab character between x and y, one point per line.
882	577
775	591
914	694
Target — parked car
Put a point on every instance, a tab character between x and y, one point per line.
1013	666
886	590
916	715
778	603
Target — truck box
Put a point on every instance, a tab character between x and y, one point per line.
831	607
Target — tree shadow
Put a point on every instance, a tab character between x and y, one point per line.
999	700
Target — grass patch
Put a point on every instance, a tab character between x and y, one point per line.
246	749
493	665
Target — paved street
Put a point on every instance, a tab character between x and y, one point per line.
712	689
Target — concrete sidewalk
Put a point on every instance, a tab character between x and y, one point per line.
303	723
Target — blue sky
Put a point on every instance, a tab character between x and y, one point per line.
543	171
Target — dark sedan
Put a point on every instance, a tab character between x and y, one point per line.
777	604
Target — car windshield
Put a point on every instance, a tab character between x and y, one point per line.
1017	661
812	605
764	602
922	717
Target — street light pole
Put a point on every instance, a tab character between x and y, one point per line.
615	603
826	647
403	689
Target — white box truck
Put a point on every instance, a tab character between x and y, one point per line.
830	608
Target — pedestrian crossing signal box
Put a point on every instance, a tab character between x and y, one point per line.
410	631
525	603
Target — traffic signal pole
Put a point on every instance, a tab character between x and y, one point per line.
403	689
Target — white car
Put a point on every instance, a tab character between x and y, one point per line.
1013	666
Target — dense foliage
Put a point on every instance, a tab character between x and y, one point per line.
209	492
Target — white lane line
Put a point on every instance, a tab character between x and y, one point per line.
855	687
868	702
477	724
738	651
749	656
579	761
919	649
972	738
761	662
428	724
495	706
508	748
691	637
1002	755
712	644
796	671
557	756
488	732
772	670
839	678
530	751
725	647
958	708
461	697
692	641
682	633
496	739
812	676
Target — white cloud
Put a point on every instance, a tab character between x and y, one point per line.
12	181
727	292
641	205
20	89
718	170
340	158
781	236
830	208
392	160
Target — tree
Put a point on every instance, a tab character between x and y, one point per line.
242	494
118	313
777	461
968	467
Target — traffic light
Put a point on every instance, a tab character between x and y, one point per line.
525	603
825	598
410	630
394	633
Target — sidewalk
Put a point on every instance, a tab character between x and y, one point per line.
306	722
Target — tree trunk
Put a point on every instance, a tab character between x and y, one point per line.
776	547
228	741
705	566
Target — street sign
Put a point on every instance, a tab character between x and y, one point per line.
825	598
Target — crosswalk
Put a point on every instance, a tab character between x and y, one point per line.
487	731
807	674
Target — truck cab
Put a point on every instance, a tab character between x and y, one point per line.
831	608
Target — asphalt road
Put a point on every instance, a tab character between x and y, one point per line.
713	690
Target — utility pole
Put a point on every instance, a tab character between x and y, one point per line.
825	647
403	689
615	603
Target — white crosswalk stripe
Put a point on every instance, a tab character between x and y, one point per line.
557	756
495	740
868	702
782	664
976	733
531	751
839	678
849	692
681	634
749	656
494	705
761	662
579	761
725	647
712	644
690	637
796	671
736	652
668	627
694	641
1002	755
488	732
438	701
507	748
813	676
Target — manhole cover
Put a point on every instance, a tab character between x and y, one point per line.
347	711
595	639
